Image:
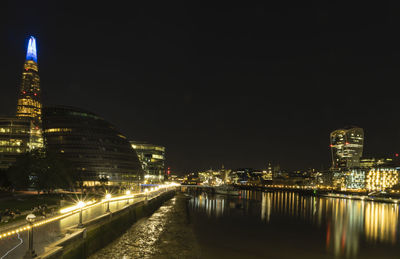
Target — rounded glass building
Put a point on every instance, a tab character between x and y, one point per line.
94	146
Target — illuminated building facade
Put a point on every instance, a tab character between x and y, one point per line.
17	136
23	132
375	162
379	179
267	174
347	147
355	179
241	176
29	104
152	159
94	146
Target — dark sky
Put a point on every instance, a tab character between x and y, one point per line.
231	84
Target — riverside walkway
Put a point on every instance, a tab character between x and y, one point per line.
14	241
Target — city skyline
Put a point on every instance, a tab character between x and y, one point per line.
213	91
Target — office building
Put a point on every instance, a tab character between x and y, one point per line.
376	162
152	159
23	132
379	179
346	147
17	136
94	146
29	101
355	179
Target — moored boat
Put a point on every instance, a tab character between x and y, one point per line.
226	190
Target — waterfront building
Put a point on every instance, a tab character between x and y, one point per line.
276	172
379	179
355	179
324	178
241	176
191	179
211	177
152	159
23	132
375	162
225	175
347	147
267	174
94	146
17	135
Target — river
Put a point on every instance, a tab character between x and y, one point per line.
262	225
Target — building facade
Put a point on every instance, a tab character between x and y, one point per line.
346	147
355	179
152	159
17	136
29	96
94	147
23	132
380	179
375	162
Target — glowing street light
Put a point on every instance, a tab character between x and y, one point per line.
80	205
128	192
30	253
108	197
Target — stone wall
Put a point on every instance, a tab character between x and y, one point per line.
97	233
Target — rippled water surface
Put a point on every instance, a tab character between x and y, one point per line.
291	225
262	225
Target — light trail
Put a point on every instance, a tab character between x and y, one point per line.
12	249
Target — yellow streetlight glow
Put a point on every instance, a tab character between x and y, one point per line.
81	204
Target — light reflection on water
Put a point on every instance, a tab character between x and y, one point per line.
348	224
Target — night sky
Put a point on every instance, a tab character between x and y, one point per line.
230	84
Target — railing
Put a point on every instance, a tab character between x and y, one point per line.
80	207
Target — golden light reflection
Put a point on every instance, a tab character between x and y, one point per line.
346	221
381	222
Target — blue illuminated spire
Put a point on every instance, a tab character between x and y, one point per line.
31	52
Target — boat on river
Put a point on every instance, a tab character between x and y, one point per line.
226	190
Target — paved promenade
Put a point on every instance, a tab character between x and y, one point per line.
15	245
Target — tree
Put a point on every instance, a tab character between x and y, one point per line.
103	180
4	181
42	170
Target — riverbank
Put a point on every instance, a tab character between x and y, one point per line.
167	233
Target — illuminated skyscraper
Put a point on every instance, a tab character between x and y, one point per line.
152	158
29	104
347	147
23	132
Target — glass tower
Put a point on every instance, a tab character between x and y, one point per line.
29	102
347	147
152	158
23	132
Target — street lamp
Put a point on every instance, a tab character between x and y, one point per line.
128	192
108	197
30	253
80	205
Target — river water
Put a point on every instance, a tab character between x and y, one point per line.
262	225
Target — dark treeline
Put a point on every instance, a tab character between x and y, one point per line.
41	170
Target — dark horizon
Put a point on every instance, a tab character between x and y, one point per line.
234	85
